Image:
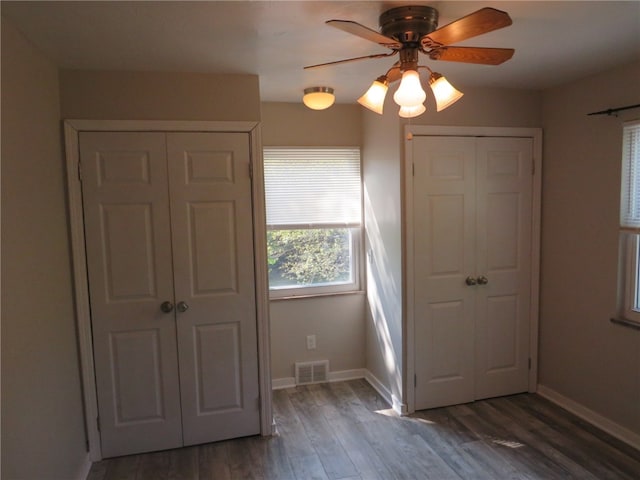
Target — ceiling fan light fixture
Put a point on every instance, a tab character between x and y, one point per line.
373	99
410	30
410	92
444	93
318	98
410	112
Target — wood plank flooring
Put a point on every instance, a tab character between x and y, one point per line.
345	430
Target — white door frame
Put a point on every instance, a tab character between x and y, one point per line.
72	129
536	135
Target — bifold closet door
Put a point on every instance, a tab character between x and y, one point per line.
444	186
472	209
503	245
128	244
212	232
168	225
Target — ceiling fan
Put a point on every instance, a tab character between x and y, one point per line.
411	30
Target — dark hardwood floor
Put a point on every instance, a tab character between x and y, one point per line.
345	430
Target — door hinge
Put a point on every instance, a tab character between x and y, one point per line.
98	422
413	169
533	167
415	380
251	170
529	363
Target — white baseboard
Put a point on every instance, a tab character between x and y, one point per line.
379	387
344	375
339	376
83	470
280	383
603	423
399	407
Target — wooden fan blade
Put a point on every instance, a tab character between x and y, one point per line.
361	31
375	55
483	21
484	56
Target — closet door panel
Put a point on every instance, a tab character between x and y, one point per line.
444	216
212	232
504	200
213	250
126	213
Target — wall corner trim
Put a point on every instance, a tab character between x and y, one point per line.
594	418
397	406
84	469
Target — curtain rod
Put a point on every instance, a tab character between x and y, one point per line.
613	111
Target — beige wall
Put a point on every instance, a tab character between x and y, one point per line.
337	321
582	355
42	416
383	233
293	124
158	96
383	155
487	107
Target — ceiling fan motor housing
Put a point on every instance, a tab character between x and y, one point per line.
408	24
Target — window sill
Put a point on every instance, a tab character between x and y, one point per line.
626	323
317	295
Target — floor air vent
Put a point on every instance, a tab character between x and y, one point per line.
312	372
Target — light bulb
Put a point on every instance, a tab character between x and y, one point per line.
318	98
373	99
410	92
410	112
445	94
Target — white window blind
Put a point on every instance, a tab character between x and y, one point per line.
630	186
312	187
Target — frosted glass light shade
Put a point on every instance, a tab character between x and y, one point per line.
445	94
410	112
318	98
410	92
373	99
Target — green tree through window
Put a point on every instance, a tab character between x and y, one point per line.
309	257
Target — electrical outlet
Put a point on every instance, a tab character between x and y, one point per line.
311	342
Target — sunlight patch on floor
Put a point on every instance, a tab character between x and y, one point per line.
508	443
390	412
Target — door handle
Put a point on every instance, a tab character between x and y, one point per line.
470	281
182	307
166	307
482	280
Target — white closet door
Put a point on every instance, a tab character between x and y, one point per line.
504	206
444	253
211	218
472	205
127	230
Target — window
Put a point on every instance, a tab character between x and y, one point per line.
314	211
630	220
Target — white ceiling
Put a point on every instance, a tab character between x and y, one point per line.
555	42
